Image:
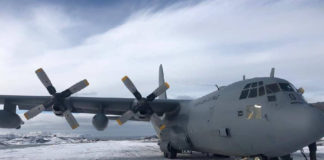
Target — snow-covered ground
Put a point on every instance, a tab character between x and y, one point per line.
49	137
58	146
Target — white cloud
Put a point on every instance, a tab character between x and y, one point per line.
201	45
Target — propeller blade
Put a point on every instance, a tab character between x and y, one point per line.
70	119
45	80
79	86
34	111
131	87
125	117
75	88
157	121
161	89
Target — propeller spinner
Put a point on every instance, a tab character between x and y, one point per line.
141	104
57	99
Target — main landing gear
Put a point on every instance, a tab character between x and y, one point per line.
286	157
171	154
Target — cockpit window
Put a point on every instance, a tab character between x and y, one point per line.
253	93
286	87
261	91
251	90
272	88
260	83
244	94
247	86
255	84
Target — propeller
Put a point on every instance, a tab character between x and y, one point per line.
141	104
57	99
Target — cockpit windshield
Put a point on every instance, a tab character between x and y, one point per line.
272	88
255	89
286	87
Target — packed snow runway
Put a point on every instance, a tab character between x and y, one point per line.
78	147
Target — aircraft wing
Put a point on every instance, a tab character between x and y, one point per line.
109	106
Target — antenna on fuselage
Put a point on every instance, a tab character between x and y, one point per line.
243	77
272	72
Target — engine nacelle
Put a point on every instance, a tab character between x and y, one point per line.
141	116
10	120
57	111
100	121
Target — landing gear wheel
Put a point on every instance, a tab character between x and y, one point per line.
263	158
171	154
286	157
312	151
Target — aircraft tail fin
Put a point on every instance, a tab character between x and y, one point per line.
161	82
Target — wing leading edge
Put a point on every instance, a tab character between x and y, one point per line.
108	106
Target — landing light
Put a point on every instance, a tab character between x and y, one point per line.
257	106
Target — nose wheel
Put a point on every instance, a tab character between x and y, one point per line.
312	151
286	157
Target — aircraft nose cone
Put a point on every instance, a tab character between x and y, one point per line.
311	123
318	121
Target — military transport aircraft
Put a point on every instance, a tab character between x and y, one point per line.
264	117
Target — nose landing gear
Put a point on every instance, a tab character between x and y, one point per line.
312	151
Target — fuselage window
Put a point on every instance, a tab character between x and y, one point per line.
253	112
253	93
286	87
254	84
261	91
247	86
244	94
272	88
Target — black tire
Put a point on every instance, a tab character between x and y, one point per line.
286	157
172	154
263	158
267	158
165	154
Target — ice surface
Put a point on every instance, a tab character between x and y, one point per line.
40	145
50	137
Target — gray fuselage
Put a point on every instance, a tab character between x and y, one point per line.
273	123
